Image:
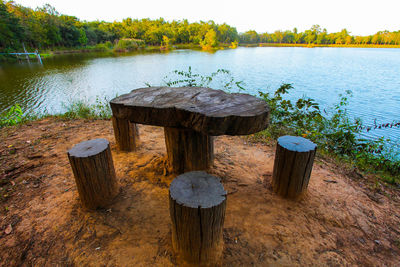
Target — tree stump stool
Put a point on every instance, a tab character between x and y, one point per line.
93	168
191	116
294	159
197	204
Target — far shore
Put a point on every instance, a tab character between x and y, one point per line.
46	53
319	45
157	48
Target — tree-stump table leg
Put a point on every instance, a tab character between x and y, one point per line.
126	134
294	159
188	150
93	168
197	208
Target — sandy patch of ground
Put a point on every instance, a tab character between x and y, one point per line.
339	222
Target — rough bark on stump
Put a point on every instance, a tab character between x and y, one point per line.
188	150
93	168
126	134
197	209
294	159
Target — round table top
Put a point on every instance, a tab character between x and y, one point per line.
212	112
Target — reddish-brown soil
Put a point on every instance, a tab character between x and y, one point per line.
340	221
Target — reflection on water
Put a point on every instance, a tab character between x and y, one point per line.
320	73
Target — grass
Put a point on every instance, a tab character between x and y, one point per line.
79	109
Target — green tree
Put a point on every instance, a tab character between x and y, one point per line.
250	37
82	37
376	39
11	32
165	42
348	40
278	36
226	34
312	34
297	37
48	18
45	28
322	37
210	40
343	35
70	34
288	37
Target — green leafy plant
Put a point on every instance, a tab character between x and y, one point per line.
333	130
293	118
222	78
13	116
102	108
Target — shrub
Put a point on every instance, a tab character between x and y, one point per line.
333	130
234	45
125	45
104	46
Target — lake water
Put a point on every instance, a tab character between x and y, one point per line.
373	75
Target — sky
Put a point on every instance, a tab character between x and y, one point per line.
360	17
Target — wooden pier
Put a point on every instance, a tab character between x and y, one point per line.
27	55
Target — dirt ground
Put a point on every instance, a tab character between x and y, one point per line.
340	221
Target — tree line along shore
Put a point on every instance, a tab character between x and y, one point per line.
45	29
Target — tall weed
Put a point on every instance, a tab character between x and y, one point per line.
222	77
82	109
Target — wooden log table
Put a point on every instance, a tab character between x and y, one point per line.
190	117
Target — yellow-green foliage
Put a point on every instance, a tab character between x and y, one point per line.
234	45
128	44
316	36
104	46
165	44
44	28
210	40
